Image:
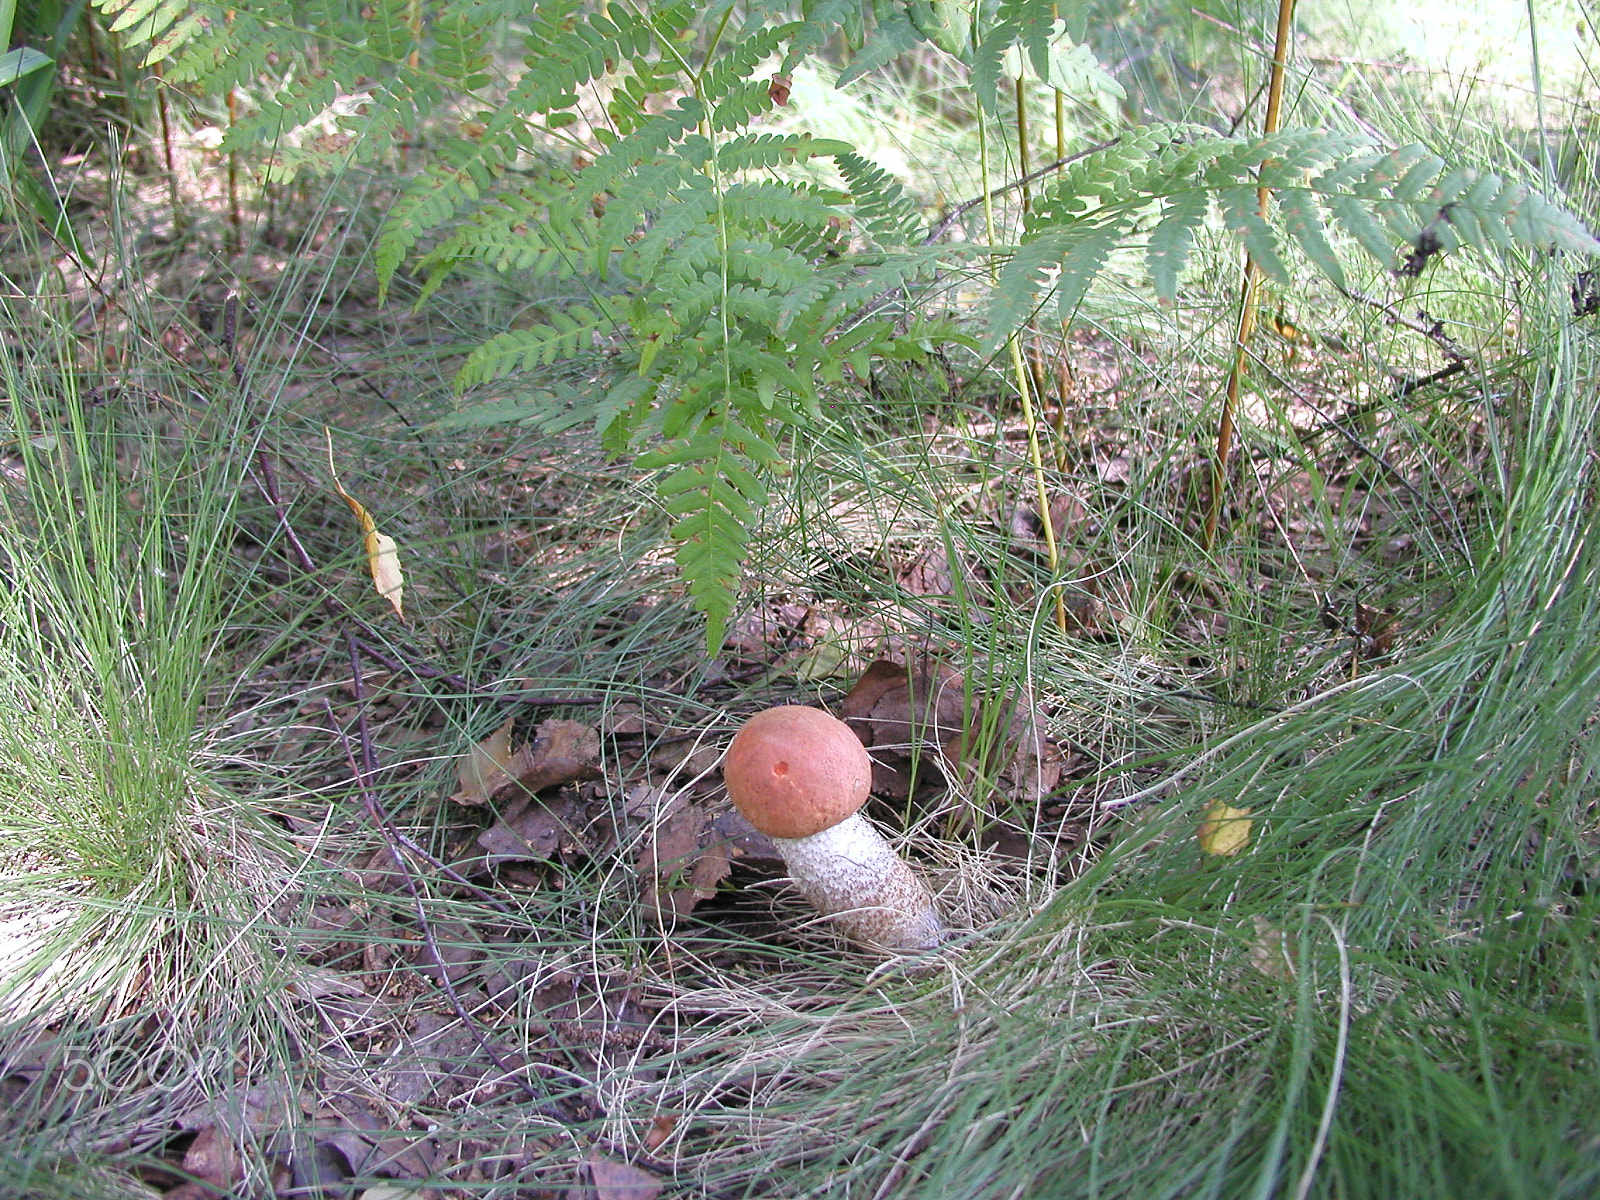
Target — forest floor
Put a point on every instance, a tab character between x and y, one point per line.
465	909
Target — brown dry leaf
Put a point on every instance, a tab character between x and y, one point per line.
1068	516
620	1181
900	712
1117	469
316	983
1375	629
672	842
661	1128
1036	763
383	552
895	706
211	1158
1225	830
711	868
745	842
485	767
1272	950
773	625
562	751
533	829
680	872
932	573
881	678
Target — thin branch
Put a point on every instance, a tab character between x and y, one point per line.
1429	327
966	206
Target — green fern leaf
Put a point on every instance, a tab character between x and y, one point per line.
1302	219
892	37
1085	255
715	498
146	20
522	349
1076	253
1017	288
174	39
880	206
1171	239
756	151
1241	213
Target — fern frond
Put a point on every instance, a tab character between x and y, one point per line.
1173	237
893	35
1240	207
732	74
1382	200
1072	254
567	51
146	20
755	151
778	269
715	498
1302	220
1035	27
821	22
856	284
569	331
878	203
646	144
771	204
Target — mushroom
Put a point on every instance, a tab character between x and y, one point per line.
799	776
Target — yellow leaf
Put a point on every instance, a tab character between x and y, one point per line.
1226	830
383	559
383	552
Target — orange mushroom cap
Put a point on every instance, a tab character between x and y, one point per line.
795	771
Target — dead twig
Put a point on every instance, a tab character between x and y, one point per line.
936	231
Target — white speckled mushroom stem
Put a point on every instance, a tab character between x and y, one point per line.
852	875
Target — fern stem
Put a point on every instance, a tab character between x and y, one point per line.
235	222
1023	163
179	220
1249	295
1019	370
1061	103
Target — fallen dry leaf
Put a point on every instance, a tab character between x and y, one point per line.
1272	950
484	767
534	828
562	751
902	712
212	1159
661	1128
933	573
620	1181
925	711
1225	830
679	871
